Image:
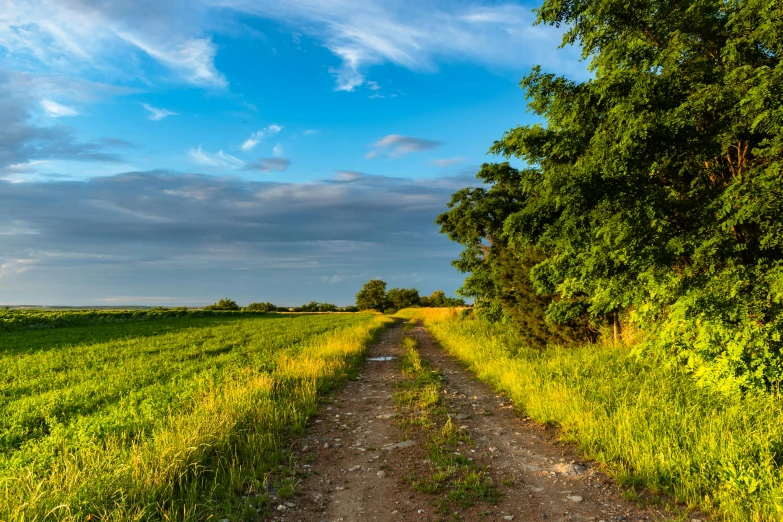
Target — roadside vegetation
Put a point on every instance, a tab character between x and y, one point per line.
626	269
182	418
646	201
645	419
455	479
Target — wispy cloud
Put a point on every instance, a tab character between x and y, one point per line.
268	164
449	162
362	33
277	150
397	146
24	144
71	35
76	35
55	110
217	159
158	114
256	137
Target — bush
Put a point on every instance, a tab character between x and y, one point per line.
438	299
261	307
223	304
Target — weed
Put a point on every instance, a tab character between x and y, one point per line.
454	477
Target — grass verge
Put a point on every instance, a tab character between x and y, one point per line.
456	480
647	421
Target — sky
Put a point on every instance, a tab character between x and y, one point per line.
174	152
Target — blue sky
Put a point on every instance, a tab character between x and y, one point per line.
176	152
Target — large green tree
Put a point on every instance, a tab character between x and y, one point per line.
400	298
372	296
499	273
654	190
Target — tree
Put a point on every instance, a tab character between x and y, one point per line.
223	304
653	191
438	299
498	272
400	298
261	307
372	296
327	307
312	306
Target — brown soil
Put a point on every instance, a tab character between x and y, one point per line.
355	467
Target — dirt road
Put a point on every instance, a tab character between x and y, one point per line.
358	462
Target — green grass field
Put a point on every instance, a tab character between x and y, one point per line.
645	419
159	418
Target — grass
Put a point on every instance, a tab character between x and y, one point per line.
178	418
455	479
647	421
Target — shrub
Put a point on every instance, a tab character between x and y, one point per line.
261	307
223	304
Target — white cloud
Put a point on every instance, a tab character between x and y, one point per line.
218	159
449	162
77	35
157	114
256	137
417	35
277	150
396	146
73	36
268	164
194	59
55	110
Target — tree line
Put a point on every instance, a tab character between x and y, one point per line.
372	296
648	201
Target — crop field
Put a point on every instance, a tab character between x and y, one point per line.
145	416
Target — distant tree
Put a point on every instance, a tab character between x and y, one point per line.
400	298
261	307
438	299
350	308
372	296
327	307
312	306
223	304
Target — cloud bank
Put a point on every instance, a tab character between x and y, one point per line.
130	234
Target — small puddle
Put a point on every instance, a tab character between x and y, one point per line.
382	358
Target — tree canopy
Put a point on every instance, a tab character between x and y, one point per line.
223	304
651	191
372	296
400	298
261	307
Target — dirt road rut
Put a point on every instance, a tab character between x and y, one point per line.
357	462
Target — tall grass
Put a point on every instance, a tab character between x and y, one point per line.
644	418
185	424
